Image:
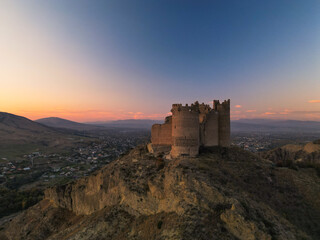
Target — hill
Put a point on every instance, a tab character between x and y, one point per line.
267	125
67	124
15	123
222	194
129	123
19	135
292	154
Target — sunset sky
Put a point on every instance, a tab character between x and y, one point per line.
105	60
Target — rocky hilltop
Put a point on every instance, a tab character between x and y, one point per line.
302	155
225	193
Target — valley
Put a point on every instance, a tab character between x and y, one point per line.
53	156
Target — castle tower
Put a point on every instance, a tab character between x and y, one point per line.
224	122
211	129
185	130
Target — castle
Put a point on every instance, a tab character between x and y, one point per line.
192	127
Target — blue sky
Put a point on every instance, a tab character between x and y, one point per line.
136	58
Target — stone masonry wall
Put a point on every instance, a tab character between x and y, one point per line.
211	130
224	123
193	126
185	132
161	134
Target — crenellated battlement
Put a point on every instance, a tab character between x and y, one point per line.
193	126
205	108
194	107
180	108
225	105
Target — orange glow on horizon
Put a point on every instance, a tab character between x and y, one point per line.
88	115
92	115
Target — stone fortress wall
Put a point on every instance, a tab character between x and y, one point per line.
192	127
161	136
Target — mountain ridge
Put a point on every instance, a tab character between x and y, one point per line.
273	125
241	125
128	123
20	135
57	122
12	120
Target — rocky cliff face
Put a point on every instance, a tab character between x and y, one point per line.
308	154
222	194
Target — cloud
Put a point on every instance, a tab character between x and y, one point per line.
238	106
314	101
136	115
286	111
269	113
251	111
141	115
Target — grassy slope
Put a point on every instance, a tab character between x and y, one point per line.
19	136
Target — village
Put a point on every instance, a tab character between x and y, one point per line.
39	169
258	141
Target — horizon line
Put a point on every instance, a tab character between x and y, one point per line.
154	119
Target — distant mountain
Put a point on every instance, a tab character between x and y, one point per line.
267	125
13	126
242	125
129	123
19	135
67	124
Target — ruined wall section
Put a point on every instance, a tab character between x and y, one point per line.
185	131
224	123
161	136
204	111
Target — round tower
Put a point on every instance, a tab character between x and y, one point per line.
185	131
224	123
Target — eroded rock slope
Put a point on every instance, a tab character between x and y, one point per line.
222	194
